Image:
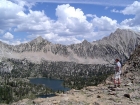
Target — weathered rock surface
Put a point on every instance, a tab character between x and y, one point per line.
6	67
119	44
88	96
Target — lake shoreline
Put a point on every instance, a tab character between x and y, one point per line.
45	77
54	84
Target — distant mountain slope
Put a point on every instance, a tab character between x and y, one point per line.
119	44
124	41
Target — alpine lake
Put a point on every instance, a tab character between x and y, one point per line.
54	84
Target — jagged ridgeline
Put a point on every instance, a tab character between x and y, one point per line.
119	44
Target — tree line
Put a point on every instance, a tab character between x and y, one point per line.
74	75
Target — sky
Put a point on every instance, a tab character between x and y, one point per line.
65	21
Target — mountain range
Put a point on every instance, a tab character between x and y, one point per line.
103	94
119	44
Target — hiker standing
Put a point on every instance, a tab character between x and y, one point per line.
117	73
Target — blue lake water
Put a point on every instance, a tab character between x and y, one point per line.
53	84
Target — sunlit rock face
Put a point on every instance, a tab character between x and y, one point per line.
119	44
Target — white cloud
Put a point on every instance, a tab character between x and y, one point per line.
64	40
116	11
51	36
133	9
23	3
133	23
8	36
12	13
73	20
90	15
54	38
71	26
5	41
16	42
68	40
34	21
8	14
66	11
104	24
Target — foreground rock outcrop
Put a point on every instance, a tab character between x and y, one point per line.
100	95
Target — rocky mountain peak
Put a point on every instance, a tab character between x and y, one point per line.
121	37
39	39
85	42
119	44
120	34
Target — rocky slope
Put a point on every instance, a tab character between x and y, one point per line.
103	94
119	44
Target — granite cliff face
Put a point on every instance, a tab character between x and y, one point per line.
119	44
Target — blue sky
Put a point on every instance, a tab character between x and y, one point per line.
65	22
